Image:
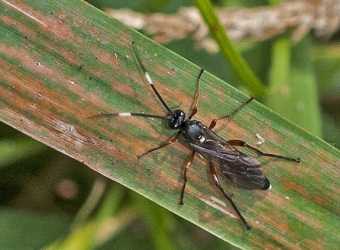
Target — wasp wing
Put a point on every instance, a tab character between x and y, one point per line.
243	170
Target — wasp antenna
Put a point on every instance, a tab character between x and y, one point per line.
148	78
127	114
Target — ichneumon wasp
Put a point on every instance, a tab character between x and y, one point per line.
243	170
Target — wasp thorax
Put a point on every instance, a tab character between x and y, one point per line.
192	131
177	119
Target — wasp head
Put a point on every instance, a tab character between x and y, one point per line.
177	119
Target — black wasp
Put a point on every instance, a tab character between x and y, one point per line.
243	170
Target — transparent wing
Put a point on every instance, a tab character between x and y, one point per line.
243	170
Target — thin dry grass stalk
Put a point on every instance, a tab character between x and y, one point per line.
322	16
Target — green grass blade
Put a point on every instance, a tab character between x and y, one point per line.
64	61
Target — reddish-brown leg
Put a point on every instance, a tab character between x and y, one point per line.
241	143
187	165
196	97
170	141
228	116
215	179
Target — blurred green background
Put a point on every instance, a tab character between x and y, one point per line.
51	201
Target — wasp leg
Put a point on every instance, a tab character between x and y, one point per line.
196	97
218	185
229	116
170	141
241	143
187	165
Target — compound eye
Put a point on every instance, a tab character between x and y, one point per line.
174	124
